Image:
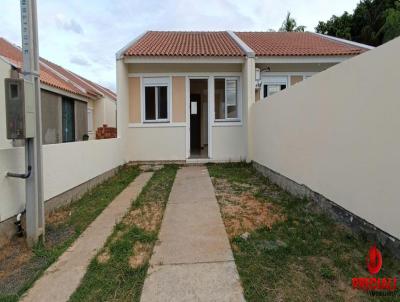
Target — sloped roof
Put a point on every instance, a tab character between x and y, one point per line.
54	75
182	43
296	44
221	44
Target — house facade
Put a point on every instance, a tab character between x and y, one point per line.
72	107
187	96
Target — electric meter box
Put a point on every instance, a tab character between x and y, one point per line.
20	109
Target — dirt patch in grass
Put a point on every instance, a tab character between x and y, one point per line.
242	212
141	254
21	266
59	216
104	256
147	217
13	255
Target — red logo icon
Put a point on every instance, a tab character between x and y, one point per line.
374	264
374	261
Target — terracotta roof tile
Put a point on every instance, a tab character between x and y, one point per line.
296	44
48	77
54	75
171	43
111	94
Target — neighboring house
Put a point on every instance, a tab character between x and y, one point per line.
72	107
187	95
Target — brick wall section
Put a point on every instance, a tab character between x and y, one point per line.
106	132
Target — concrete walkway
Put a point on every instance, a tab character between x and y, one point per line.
63	277
193	261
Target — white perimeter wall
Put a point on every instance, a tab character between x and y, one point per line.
65	166
338	133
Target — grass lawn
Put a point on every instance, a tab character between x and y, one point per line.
117	273
20	266
285	248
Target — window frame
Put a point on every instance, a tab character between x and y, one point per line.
90	113
273	80
238	100
156	82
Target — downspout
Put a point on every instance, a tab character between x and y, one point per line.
26	175
18	175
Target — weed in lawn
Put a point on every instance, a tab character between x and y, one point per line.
326	272
121	276
304	257
20	266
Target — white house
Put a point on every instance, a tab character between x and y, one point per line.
186	95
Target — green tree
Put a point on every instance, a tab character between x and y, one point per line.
336	26
391	27
373	22
290	24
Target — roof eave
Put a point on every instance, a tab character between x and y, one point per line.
303	59
121	53
184	59
344	41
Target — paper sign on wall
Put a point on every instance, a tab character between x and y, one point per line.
193	107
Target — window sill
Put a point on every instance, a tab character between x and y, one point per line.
155	125
226	123
156	122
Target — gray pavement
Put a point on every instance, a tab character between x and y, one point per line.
193	260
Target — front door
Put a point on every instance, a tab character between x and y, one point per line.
195	121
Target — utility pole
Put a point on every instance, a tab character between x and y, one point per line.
33	146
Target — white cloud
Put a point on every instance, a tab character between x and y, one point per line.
79	61
89	33
68	24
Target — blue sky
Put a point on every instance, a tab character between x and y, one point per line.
84	35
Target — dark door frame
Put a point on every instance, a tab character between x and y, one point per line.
68	120
188	107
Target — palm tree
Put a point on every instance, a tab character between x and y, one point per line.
289	25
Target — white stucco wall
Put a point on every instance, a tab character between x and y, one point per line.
65	166
155	143
338	133
229	143
110	112
98	113
12	190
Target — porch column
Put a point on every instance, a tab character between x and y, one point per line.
122	105
249	78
